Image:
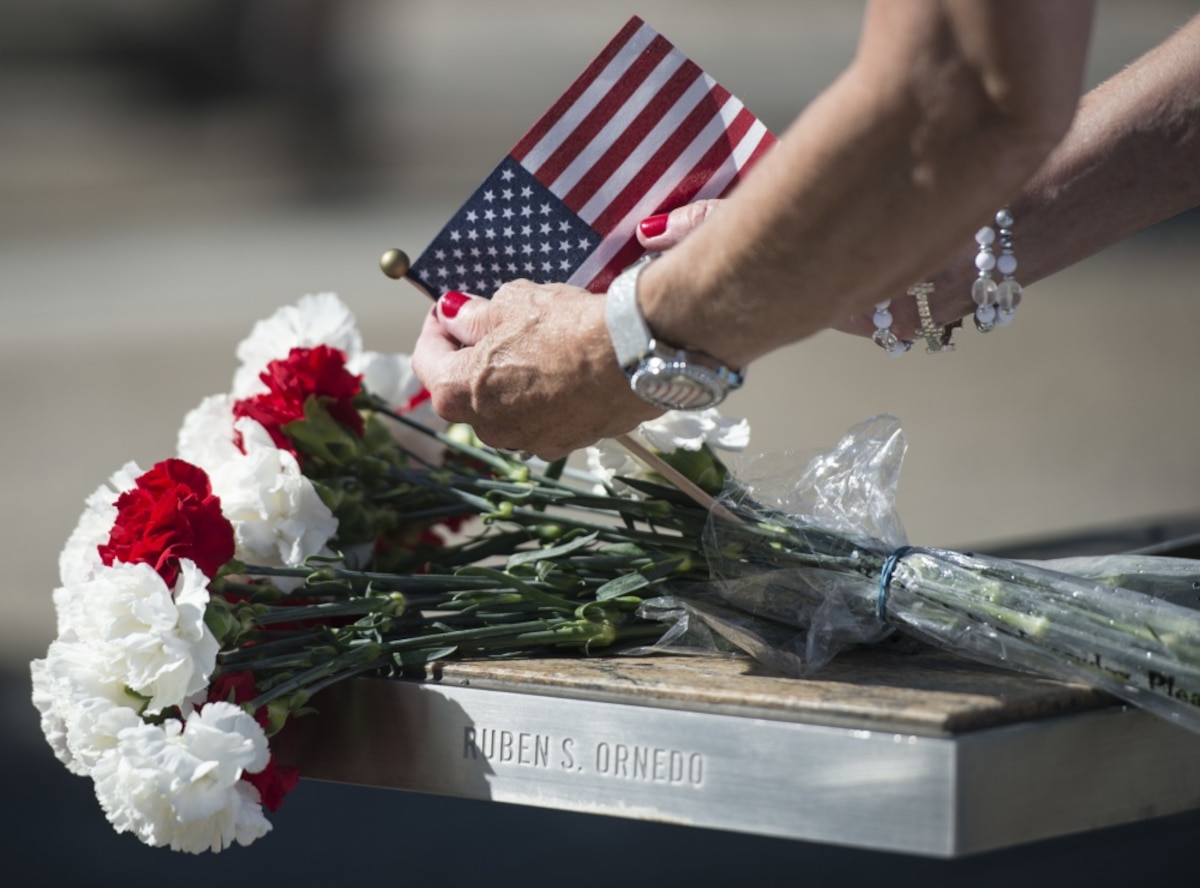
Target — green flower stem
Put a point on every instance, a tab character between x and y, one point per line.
1065	603
355	607
1160	684
533	632
387	582
362	659
1099	649
565	496
606	532
311	690
230	659
226	586
477	614
532	590
480	493
431	515
580	637
504	543
557	565
488	457
302	658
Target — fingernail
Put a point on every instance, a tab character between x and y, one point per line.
451	302
653	226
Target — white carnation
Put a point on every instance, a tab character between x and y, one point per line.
390	377
82	702
153	636
180	785
206	437
674	430
93	726
691	429
607	460
321	319
80	558
278	518
209	435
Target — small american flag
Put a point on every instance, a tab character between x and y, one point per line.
642	131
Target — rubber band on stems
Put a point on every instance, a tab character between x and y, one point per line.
885	577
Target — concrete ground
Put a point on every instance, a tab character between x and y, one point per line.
137	248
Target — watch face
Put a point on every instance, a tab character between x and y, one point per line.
675	385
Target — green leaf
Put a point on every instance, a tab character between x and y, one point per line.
322	438
534	555
621	586
419	657
659	491
701	466
631	550
532	593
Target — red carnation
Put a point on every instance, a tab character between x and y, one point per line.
306	372
170	514
236	687
273	783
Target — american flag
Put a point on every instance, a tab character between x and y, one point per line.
642	131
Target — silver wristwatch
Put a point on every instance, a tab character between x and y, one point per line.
664	375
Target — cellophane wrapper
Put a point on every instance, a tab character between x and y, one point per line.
1121	623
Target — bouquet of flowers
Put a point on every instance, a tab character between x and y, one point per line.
318	523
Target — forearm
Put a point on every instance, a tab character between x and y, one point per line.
880	179
1131	159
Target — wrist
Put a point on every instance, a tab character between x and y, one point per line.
666	374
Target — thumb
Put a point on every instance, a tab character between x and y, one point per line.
464	317
668	229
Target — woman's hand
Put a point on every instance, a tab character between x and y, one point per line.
530	369
666	230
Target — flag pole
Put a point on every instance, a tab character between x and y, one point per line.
395	264
681	481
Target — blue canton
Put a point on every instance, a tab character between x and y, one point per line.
512	227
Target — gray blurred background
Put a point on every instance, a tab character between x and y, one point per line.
171	172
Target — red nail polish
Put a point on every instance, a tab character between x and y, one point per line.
653	226
451	302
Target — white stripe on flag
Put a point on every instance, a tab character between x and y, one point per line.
733	164
640	156
611	131
596	91
608	248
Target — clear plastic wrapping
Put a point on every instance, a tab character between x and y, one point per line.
819	561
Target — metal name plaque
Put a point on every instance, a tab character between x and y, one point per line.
938	796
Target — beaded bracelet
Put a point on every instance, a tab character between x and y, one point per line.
995	304
883	335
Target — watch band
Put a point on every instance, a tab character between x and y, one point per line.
664	375
631	337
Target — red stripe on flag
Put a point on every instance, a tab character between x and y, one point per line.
576	89
670	151
685	191
645	121
605	110
764	145
689	185
629	253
